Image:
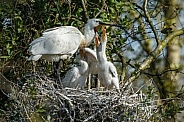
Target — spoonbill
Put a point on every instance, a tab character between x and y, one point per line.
77	76
107	72
60	43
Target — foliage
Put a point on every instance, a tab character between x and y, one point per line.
138	36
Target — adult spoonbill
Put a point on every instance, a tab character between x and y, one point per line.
91	58
107	72
62	42
77	76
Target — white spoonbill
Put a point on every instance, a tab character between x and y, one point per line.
77	76
62	42
107	72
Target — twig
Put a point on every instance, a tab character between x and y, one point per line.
26	112
149	21
57	7
163	72
85	11
142	86
65	97
101	8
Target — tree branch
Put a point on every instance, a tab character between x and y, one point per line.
149	21
7	86
103	5
85	10
160	74
146	63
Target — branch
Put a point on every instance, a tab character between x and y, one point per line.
149	21
103	5
7	86
146	63
57	7
85	10
163	72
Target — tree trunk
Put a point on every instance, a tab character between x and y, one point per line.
173	49
173	52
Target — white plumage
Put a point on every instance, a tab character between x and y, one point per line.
62	42
76	77
91	59
107	72
56	43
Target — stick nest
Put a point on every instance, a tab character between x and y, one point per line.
40	98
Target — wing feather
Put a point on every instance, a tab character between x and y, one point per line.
112	70
90	55
59	40
70	77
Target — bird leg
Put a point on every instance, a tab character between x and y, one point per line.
97	82
89	82
57	67
34	65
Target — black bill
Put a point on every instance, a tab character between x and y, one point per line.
107	24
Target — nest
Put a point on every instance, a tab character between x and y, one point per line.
42	99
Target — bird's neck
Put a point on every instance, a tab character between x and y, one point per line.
89	33
104	49
101	56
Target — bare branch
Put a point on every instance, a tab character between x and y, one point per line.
101	8
146	63
149	21
85	10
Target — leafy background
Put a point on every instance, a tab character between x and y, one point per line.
127	48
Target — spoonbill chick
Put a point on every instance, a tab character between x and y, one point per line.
107	72
77	76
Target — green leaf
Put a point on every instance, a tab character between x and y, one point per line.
80	10
19	30
41	110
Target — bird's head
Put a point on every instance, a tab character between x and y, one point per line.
94	24
79	55
97	23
